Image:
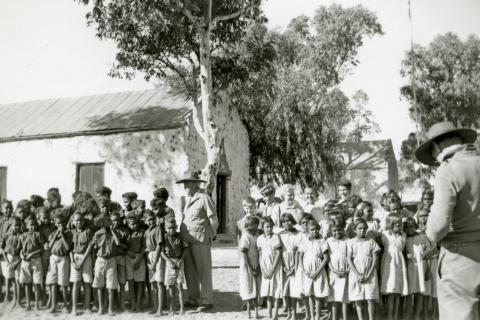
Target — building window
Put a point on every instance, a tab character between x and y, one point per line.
89	177
3	183
222	203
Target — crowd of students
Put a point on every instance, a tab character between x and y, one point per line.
94	244
342	253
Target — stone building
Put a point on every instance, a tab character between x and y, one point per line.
129	141
371	166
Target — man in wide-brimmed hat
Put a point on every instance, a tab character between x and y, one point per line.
199	227
454	219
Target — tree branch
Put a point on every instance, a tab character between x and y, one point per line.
233	15
182	6
196	121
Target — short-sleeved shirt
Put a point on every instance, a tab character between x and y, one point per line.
81	240
58	248
174	245
12	244
135	241
32	242
153	238
104	243
5	227
46	230
122	233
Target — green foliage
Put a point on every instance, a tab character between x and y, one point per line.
290	102
447	87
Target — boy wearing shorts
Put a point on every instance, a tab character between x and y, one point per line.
5	221
155	263
105	272
119	252
173	252
59	243
81	270
11	247
31	269
135	262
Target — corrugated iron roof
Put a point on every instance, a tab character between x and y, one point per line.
96	114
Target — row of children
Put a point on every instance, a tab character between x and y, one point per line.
109	251
341	259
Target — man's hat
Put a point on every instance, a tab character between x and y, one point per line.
104	191
193	176
424	152
267	190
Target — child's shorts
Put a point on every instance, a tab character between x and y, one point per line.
158	274
137	275
105	273
85	273
58	270
121	269
8	271
174	276
31	270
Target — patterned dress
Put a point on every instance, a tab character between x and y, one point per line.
314	251
249	285
268	246
337	249
362	252
415	247
393	268
289	250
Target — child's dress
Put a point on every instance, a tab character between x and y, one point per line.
362	251
268	246
248	283
417	267
337	249
393	270
313	254
301	237
289	250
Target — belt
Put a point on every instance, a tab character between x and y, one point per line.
470	250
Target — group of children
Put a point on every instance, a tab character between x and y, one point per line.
348	258
59	251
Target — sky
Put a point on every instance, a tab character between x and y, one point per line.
47	51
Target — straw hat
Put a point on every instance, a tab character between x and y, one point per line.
424	152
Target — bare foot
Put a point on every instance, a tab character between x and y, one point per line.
182	312
74	312
110	312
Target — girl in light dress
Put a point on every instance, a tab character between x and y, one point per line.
363	281
299	274
314	258
393	269
249	265
270	249
416	245
288	237
337	250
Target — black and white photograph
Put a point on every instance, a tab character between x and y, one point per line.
240	159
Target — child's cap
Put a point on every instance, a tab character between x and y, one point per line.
103	191
138	203
24	204
36	200
132	196
161	193
53	191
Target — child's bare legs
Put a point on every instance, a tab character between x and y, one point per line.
75	293
371	309
101	302
269	306
335	310
312	306
28	295
418	305
8	283
87	288
111	300
171	298
139	290
306	305
249	304
65	298
153	295
38	295
396	306
318	307
53	297
293	305
359	307
160	298
121	296
131	289
275	309
287	307
180	300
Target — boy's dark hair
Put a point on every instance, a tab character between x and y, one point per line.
354	200
24	204
358	222
149	214
313	223
16	220
345	183
60	217
427	192
39	210
132	196
251	222
8	202
36	200
337	223
289	216
170	221
410	221
306	216
267	219
337	218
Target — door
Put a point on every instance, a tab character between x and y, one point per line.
89	177
222	203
